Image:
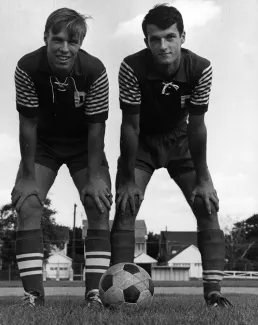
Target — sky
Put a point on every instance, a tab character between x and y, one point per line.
223	31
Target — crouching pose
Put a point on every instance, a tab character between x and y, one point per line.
62	100
164	95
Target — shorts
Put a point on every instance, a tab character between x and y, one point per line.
169	150
72	153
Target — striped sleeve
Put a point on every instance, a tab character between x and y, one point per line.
27	102
199	99
129	90
96	101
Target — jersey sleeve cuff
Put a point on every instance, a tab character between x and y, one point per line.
197	110
27	111
98	118
130	109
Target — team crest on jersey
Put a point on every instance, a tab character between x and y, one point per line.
79	98
184	98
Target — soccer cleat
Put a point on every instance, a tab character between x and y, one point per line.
215	299
93	300
33	299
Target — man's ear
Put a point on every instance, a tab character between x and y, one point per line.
183	37
45	38
146	42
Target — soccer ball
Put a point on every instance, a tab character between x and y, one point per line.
126	284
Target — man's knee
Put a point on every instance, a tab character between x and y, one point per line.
93	213
30	208
126	221
204	219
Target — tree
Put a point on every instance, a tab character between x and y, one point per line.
153	245
237	247
53	234
250	227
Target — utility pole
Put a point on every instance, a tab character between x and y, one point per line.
74	220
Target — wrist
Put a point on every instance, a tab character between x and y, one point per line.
203	174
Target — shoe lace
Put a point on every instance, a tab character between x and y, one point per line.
93	296
216	299
29	298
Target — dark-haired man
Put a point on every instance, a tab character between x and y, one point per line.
164	95
62	100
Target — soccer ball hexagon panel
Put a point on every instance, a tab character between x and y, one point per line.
126	284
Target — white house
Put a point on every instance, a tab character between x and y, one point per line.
58	266
189	257
185	264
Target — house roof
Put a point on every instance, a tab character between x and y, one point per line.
63	255
144	259
179	238
172	256
140	229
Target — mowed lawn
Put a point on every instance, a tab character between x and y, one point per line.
173	309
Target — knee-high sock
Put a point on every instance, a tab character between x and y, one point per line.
97	259
122	246
29	257
211	244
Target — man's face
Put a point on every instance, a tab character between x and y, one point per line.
61	50
165	45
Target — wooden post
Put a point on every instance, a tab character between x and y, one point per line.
71	273
57	273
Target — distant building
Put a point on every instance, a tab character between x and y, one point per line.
58	266
173	242
189	258
180	258
140	252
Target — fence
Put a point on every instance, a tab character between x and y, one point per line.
51	271
75	272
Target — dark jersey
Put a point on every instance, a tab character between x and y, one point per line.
164	103
63	108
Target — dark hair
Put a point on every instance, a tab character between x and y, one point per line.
68	18
163	16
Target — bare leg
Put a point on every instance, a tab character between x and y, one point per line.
122	234
210	238
29	243
97	241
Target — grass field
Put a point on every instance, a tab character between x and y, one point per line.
192	283
164	310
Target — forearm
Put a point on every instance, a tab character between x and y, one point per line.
128	147
28	141
197	141
96	134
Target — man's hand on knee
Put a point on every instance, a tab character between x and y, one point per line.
130	193
207	192
98	190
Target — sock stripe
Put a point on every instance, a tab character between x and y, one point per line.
28	256
88	270
97	261
91	256
24	274
29	259
213	272
213	277
94	266
29	264
34	268
103	254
